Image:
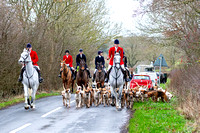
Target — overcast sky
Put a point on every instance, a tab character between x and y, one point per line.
121	11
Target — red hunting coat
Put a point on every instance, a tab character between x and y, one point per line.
68	60
111	54
34	57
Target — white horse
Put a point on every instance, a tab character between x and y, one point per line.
30	79
116	80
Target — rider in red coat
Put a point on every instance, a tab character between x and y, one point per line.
69	61
111	54
34	58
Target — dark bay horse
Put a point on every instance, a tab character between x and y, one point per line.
100	75
66	76
82	75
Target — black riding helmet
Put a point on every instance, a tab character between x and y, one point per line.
99	52
67	51
81	50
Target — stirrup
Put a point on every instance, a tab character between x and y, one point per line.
73	77
41	80
106	80
20	79
127	80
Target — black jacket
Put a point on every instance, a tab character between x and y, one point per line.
125	61
99	59
78	57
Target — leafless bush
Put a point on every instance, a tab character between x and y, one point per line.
185	83
51	27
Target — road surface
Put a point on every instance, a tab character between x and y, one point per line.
51	116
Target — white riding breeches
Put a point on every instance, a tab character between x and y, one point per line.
70	67
103	69
34	66
122	66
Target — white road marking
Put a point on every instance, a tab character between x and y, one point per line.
20	128
54	110
51	112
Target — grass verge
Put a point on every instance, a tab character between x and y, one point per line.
150	117
18	100
157	118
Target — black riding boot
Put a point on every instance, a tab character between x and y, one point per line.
89	73
94	75
21	75
39	75
60	74
107	75
125	76
75	72
129	75
73	75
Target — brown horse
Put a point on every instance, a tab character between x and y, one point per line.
66	76
82	75
100	75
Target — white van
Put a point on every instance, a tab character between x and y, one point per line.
152	75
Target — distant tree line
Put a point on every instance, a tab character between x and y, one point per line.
178	23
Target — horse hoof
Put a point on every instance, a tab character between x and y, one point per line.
119	109
26	108
112	104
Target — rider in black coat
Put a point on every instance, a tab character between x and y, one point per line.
79	57
99	59
125	65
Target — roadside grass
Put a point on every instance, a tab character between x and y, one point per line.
150	117
16	100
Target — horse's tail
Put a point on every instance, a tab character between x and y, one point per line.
30	91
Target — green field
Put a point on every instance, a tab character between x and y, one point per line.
18	100
150	117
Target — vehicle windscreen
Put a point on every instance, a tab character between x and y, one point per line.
141	77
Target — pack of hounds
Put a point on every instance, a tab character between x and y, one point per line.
97	96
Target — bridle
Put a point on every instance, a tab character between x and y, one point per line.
99	67
82	63
24	59
64	65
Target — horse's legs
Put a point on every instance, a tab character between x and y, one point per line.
113	95
120	97
33	96
64	87
72	86
102	84
26	95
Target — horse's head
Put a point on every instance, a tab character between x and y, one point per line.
25	57
62	64
99	66
117	59
82	64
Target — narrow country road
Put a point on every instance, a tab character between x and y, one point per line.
51	116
